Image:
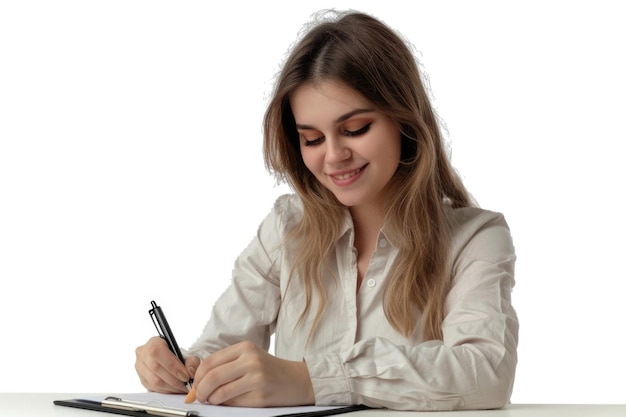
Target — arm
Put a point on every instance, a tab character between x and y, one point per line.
237	370
246	311
473	366
248	308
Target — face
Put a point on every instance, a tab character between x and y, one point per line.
346	142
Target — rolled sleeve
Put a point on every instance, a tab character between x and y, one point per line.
329	379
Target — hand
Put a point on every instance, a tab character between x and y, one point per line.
244	375
160	370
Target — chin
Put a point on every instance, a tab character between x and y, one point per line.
349	202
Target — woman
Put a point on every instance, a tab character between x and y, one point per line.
383	285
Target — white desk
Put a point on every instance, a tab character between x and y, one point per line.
40	405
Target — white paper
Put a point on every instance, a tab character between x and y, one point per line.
207	410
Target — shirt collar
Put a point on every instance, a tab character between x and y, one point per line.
347	228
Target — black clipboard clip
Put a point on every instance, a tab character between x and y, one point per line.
155	408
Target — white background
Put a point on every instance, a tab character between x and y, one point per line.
131	170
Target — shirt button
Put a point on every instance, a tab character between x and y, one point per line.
383	243
371	282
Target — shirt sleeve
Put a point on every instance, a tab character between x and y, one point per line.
248	308
473	367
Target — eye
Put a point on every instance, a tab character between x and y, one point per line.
357	132
314	141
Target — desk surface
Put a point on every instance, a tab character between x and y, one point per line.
40	405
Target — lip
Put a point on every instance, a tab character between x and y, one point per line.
347	176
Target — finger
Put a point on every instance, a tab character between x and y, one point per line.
237	393
159	369
149	377
215	376
216	386
268	382
174	372
192	363
156	378
222	356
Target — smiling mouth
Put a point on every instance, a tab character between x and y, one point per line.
348	175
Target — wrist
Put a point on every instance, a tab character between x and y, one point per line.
308	390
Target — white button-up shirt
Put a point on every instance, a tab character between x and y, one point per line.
355	356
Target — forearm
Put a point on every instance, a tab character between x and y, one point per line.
431	376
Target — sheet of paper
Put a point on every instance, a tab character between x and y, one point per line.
207	410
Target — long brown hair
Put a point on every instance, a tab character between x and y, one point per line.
366	55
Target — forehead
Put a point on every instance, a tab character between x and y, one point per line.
325	100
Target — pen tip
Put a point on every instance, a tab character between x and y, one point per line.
191	396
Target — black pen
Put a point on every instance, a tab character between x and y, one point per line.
160	322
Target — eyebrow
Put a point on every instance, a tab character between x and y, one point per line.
340	119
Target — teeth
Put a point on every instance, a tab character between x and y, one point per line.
348	175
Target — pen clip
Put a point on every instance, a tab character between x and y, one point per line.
155	320
155	408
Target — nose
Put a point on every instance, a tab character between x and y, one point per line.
336	151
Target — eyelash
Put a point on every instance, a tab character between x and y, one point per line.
348	133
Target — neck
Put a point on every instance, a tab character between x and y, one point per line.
367	220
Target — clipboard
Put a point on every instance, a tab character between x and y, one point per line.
116	405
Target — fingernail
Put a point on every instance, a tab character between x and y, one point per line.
192	371
191	396
182	377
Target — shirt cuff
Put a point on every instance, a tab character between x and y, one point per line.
329	379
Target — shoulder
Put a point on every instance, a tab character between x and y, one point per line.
288	203
479	234
286	212
288	206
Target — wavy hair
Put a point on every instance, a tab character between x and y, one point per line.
363	53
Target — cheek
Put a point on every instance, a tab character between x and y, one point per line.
395	150
387	152
310	158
